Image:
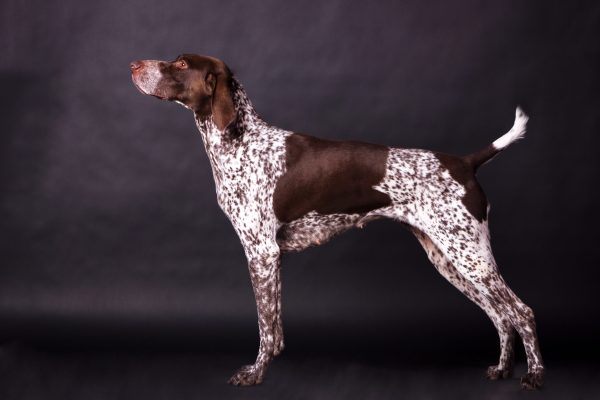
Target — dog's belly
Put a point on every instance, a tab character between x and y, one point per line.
314	229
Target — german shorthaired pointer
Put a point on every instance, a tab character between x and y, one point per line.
286	191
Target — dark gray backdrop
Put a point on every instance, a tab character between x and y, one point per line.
110	231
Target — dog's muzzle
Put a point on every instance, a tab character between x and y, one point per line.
146	75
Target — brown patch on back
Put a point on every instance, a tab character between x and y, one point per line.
463	172
329	177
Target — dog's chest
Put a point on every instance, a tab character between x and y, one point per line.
246	171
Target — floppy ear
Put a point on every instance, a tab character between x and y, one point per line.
223	110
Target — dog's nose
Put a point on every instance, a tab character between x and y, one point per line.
135	65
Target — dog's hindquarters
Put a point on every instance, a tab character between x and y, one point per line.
447	210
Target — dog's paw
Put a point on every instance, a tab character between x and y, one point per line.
493	373
533	380
248	375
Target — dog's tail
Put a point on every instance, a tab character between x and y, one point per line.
486	154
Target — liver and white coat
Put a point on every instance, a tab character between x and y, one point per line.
285	191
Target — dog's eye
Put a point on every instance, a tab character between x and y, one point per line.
181	64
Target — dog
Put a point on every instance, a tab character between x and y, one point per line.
286	191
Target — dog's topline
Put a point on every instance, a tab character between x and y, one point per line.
285	191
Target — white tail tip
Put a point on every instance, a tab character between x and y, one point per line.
516	132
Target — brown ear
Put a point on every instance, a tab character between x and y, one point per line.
223	110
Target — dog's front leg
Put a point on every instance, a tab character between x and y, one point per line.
278	323
264	273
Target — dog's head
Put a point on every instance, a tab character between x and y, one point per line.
200	83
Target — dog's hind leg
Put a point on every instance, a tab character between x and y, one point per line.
506	332
469	251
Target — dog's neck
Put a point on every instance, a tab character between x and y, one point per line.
221	145
247	121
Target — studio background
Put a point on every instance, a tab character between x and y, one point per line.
112	241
